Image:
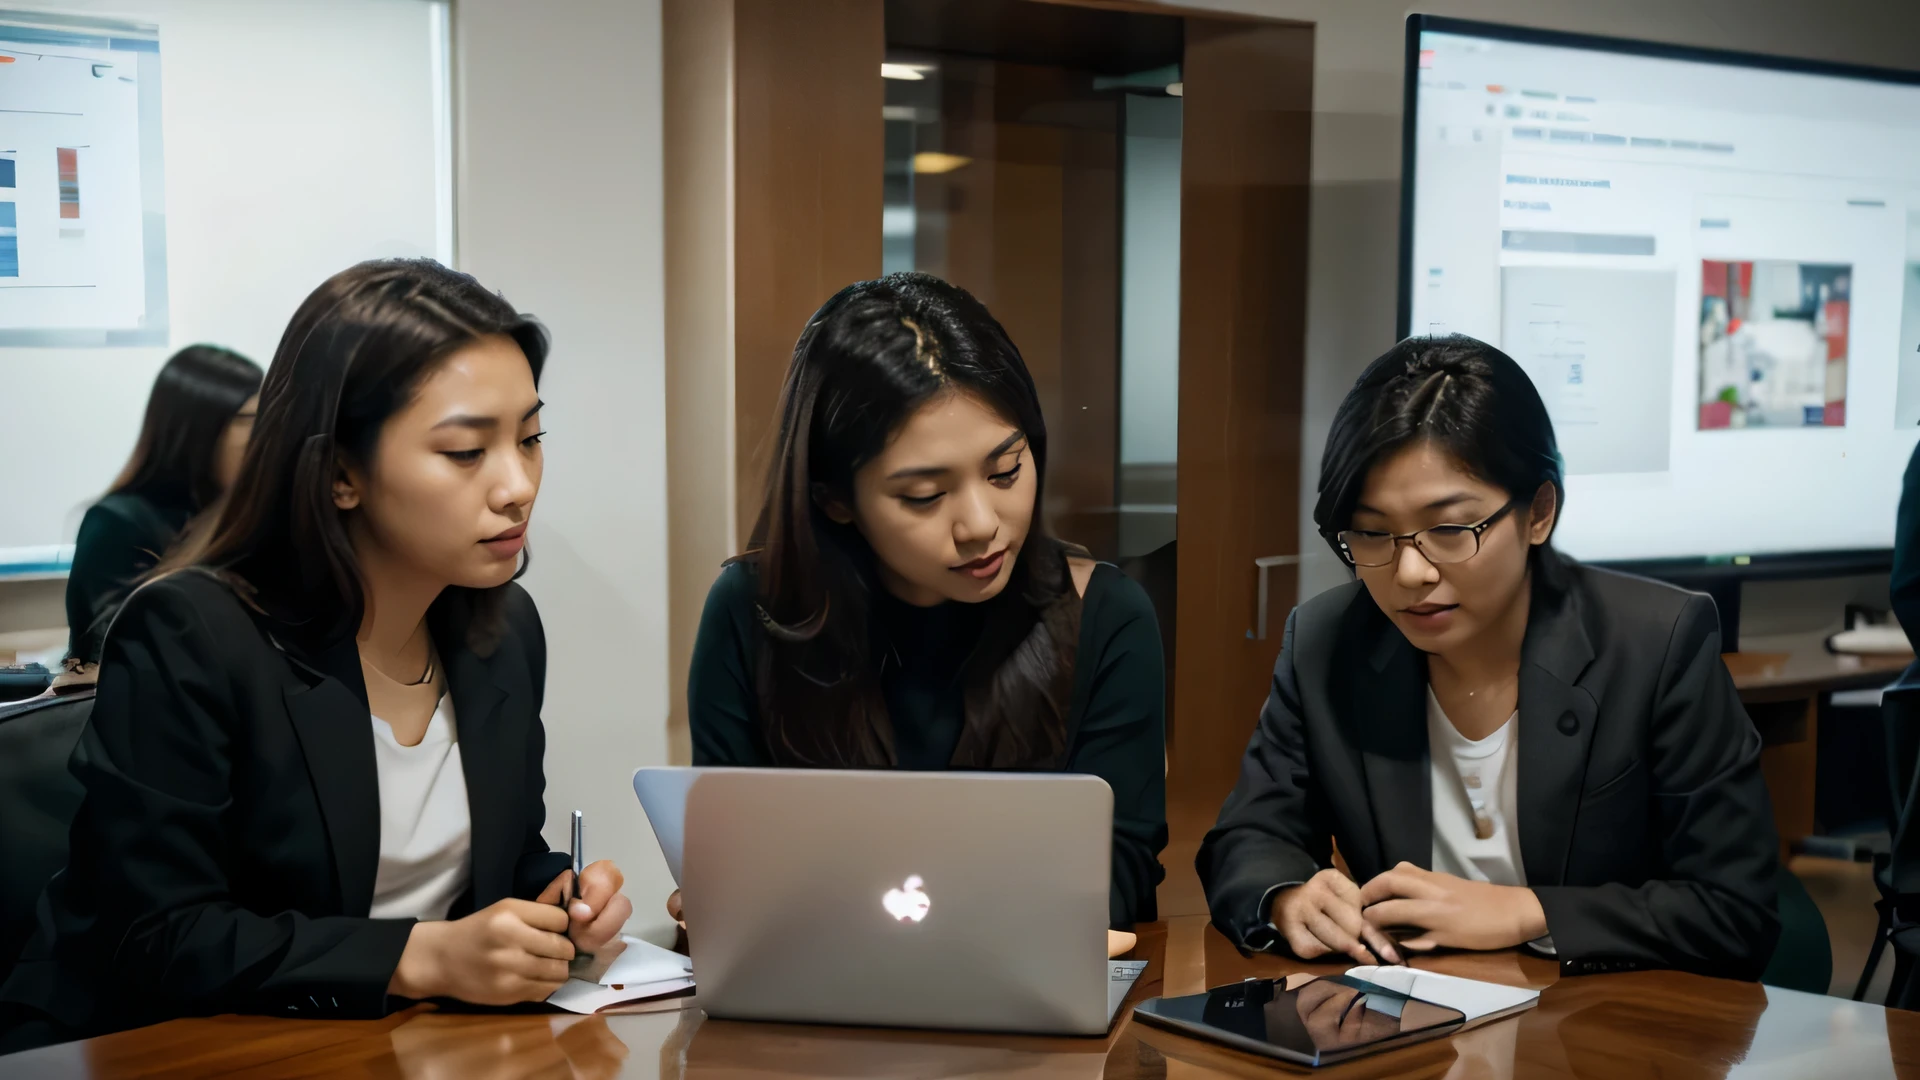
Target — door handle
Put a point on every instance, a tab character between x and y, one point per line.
1263	565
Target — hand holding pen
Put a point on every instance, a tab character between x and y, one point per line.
590	893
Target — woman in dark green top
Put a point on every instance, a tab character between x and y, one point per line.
901	605
198	418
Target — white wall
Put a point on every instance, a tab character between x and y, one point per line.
299	139
558	175
1354	236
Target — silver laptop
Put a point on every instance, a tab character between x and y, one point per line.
969	901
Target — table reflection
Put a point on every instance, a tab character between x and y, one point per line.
1638	1024
716	1048
1803	1035
1627	1027
450	1047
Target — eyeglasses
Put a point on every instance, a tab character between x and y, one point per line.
1439	545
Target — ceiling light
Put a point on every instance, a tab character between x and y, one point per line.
908	72
933	161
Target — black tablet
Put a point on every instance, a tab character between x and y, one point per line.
1305	1019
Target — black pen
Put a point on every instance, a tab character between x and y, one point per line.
578	864
580	959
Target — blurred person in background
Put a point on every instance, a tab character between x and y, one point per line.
198	419
1906	551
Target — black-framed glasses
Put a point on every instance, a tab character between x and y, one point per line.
1438	544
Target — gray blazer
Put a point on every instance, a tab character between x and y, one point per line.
1644	822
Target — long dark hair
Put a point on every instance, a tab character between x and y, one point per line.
867	360
354	354
1465	397
196	395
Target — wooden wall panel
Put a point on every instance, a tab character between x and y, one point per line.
1243	258
1085	428
807	195
1030	226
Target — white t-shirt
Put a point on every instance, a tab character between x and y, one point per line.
1476	833
426	831
1475	785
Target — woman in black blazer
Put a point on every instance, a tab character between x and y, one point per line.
313	770
1508	748
198	419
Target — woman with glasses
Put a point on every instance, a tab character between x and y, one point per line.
1507	748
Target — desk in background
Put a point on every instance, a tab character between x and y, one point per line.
1782	691
1596	1026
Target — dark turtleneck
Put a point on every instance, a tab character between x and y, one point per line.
1116	723
121	538
921	652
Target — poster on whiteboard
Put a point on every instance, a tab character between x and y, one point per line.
83	259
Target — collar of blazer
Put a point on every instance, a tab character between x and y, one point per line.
327	702
1555	731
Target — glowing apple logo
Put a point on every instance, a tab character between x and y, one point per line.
907	903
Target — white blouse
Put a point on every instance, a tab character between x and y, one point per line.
426	832
1476	804
1475	795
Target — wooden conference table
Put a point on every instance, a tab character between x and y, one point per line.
1595	1026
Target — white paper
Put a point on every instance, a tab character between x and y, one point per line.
642	970
1471	996
644	962
579	996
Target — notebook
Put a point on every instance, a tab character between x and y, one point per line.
623	973
1480	1002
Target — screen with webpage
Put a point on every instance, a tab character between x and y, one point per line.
1711	272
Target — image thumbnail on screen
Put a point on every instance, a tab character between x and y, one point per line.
1906	411
1773	344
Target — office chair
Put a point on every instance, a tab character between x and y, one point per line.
38	799
21	681
1897	874
1803	957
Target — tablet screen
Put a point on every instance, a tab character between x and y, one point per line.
1304	1018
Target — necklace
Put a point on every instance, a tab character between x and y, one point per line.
1495	686
425	676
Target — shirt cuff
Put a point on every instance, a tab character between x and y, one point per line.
1265	935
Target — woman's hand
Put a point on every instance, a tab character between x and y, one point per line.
1453	912
1322	915
506	953
595	918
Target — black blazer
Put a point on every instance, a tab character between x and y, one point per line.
1904	585
223	857
1645	827
122	537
